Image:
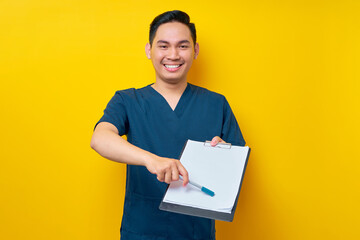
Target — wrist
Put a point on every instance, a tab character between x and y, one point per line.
147	159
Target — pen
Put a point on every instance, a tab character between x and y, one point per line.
202	188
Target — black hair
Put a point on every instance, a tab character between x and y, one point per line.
171	16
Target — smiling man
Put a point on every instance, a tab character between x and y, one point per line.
158	119
172	51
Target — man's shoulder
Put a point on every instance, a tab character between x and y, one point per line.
130	92
206	92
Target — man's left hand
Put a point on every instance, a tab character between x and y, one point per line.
216	140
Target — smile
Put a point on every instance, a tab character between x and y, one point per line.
172	67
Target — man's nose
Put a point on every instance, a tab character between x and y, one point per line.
173	53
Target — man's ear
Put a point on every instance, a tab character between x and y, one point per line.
148	50
196	50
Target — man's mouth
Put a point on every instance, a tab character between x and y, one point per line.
172	67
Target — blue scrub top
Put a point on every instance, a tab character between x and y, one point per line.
149	123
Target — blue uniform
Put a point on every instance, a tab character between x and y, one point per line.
149	123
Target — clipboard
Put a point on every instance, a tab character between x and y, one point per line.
205	167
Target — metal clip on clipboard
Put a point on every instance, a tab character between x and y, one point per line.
219	145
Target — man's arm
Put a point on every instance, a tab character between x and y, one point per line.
107	142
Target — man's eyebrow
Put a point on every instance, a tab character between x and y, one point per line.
184	41
162	41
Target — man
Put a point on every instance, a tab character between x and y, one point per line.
158	119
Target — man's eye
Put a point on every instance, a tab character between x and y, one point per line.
184	46
163	46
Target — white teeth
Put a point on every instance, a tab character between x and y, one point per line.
172	66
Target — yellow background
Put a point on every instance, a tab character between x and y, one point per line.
290	70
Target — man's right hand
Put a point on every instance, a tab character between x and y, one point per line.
167	169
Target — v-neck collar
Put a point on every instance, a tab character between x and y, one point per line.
181	103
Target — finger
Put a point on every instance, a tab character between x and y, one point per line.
168	177
184	174
161	176
216	140
175	173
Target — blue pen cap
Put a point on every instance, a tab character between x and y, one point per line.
208	191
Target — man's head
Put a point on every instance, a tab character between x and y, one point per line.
171	16
172	47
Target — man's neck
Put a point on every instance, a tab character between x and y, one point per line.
170	89
172	92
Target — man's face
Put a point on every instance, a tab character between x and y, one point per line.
172	52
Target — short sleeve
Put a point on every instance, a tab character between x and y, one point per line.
116	114
231	132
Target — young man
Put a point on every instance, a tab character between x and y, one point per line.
158	119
